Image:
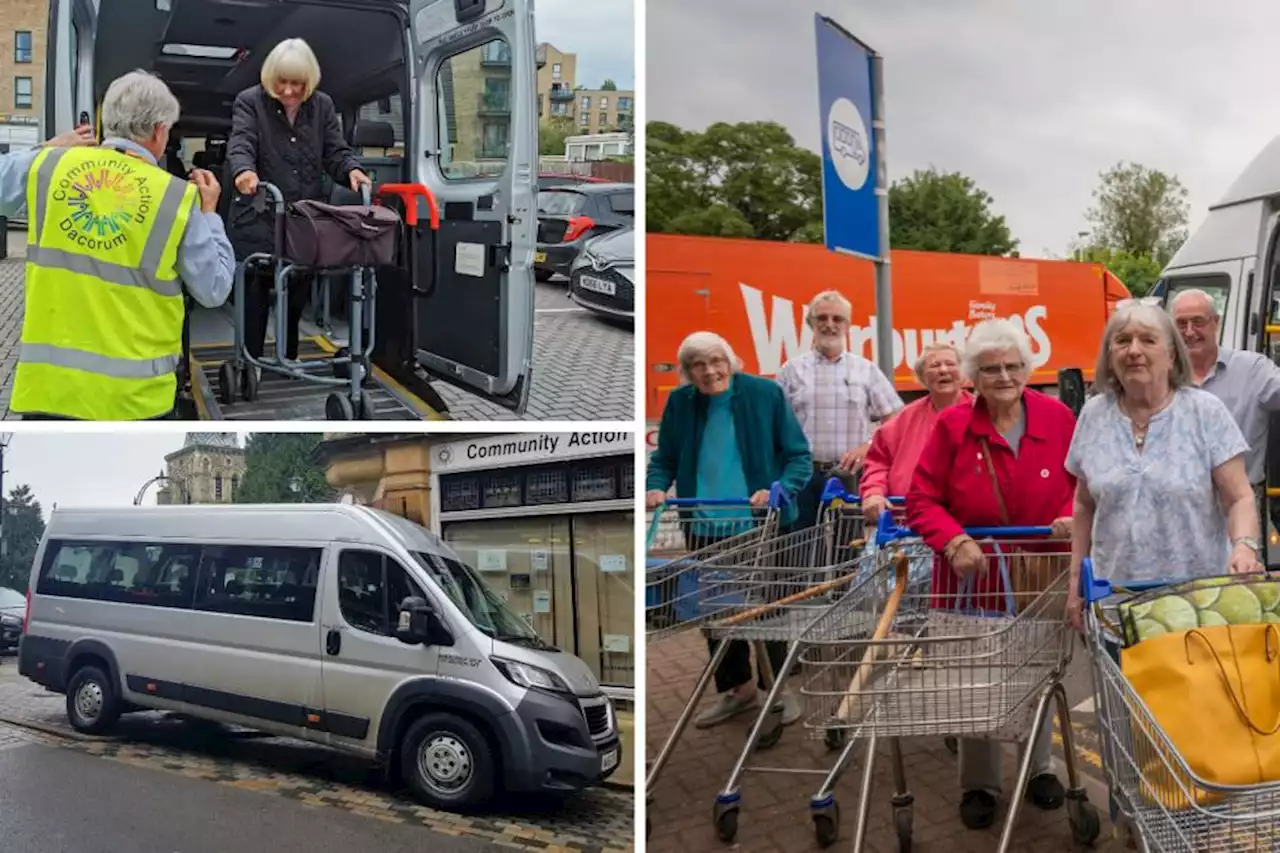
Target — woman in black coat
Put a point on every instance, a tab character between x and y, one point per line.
285	132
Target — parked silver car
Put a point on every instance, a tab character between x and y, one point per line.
603	277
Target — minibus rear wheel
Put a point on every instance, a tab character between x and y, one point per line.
92	705
447	762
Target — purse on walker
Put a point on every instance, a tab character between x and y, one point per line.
1214	699
317	234
1030	574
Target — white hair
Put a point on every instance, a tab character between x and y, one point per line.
993	336
829	296
136	104
702	344
1157	320
291	59
1196	292
930	349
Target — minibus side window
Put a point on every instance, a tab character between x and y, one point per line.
370	589
259	581
155	575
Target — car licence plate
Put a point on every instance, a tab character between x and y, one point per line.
539	257
608	761
599	285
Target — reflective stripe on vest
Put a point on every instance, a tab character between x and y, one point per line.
102	331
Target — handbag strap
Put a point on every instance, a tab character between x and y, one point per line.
995	482
1235	700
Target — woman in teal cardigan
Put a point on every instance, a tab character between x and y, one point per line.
728	434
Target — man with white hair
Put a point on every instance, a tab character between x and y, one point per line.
1247	382
112	242
836	395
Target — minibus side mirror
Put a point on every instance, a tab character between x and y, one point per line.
418	623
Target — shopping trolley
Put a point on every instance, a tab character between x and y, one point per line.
1167	806
972	658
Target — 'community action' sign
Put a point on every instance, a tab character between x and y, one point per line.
528	448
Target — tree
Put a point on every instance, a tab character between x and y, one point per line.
277	462
1138	272
743	180
608	86
552	133
1140	211
23	527
945	212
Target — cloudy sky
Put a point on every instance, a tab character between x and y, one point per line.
1032	100
601	32
87	469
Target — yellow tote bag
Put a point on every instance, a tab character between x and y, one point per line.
1215	693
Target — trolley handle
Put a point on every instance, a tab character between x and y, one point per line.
778	498
887	531
1093	589
834	491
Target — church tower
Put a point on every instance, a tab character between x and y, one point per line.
207	470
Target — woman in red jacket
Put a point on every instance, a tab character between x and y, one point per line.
998	462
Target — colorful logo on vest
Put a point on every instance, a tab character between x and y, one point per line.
99	200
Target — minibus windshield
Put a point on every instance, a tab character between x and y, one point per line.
482	605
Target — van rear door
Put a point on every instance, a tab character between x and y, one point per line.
69	65
476	106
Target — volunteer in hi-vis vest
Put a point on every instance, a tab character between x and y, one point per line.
112	241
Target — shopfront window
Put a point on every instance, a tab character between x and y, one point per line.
603	551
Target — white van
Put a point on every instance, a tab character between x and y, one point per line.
1233	256
341	625
437	92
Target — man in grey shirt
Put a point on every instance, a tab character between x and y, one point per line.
1247	382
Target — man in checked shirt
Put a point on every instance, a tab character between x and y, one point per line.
836	395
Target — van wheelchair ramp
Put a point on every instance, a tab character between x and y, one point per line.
281	398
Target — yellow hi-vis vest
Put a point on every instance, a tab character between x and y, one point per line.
102	327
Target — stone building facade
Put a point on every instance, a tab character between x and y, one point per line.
208	469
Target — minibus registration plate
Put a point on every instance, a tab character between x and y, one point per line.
608	761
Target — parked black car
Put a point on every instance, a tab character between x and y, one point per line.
603	278
13	610
570	216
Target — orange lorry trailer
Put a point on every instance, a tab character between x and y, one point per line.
755	293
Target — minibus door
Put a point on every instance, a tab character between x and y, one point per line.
476	109
69	65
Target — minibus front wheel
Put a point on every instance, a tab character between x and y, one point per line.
92	704
447	762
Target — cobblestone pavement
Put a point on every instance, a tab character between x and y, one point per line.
11	302
599	820
774	811
583	367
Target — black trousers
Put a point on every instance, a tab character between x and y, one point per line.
735	668
809	501
259	302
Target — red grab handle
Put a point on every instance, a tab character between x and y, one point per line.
407	193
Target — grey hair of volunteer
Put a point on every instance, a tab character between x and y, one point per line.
135	105
829	296
993	336
702	344
1151	317
930	349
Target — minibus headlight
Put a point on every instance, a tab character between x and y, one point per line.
524	675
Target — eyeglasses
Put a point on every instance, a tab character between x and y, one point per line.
994	370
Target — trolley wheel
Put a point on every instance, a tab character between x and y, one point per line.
228	384
342	371
835	738
953	745
826	824
367	408
726	816
1086	824
903	818
250	389
337	407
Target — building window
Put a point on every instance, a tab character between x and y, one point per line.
604	103
624	105
22	48
584	120
217	488
555	70
235	484
22	93
586	103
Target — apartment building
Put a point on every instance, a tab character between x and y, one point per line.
559	96
22	56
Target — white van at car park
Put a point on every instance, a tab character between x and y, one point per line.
342	625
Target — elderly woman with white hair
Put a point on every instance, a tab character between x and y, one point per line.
1162	490
998	462
895	448
727	434
286	132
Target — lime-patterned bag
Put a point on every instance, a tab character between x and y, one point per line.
1200	603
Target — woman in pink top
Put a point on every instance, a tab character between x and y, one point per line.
895	447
